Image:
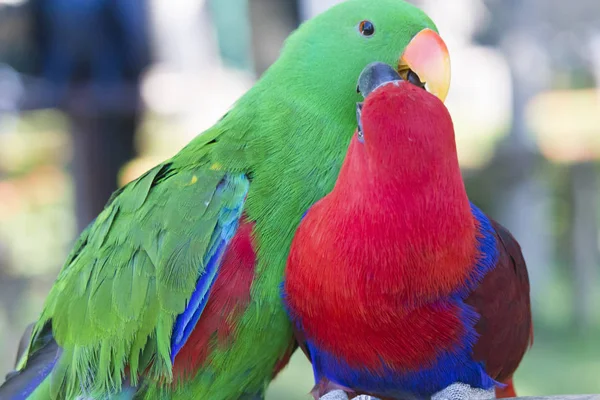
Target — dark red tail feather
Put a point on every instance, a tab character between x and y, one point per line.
505	326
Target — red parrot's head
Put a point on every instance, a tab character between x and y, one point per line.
400	124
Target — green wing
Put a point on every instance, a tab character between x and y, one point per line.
130	275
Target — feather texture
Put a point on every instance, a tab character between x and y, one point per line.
121	294
505	327
386	273
283	142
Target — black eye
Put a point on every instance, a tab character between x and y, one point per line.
413	78
366	28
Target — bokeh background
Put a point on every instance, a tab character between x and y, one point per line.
93	93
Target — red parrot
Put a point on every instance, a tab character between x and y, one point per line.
397	284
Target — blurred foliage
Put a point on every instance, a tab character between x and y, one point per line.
35	195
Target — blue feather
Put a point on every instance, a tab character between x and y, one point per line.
451	366
304	215
227	224
39	366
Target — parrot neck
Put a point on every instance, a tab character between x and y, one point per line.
421	214
288	145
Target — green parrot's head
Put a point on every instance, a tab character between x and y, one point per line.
325	56
303	109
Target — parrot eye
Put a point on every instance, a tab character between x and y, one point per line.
366	28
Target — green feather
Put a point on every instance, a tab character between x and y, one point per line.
120	294
134	269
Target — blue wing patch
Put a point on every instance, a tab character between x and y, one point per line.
227	224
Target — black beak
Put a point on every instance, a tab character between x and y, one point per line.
375	75
359	107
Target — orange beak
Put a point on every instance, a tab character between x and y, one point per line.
428	57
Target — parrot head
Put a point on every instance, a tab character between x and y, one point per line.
401	125
330	50
304	103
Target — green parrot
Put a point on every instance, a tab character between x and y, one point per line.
174	290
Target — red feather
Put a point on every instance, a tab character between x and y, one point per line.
374	264
502	301
396	236
228	300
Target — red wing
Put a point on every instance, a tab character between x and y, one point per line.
228	300
502	300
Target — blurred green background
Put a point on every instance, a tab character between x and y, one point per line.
94	93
